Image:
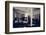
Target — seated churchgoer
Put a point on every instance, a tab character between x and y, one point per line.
15	20
25	20
36	21
29	21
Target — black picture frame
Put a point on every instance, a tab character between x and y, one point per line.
7	16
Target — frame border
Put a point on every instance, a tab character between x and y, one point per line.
7	16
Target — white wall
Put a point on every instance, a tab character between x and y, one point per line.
2	18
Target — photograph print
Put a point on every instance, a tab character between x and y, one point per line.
26	17
22	17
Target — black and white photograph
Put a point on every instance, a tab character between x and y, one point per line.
26	17
23	17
